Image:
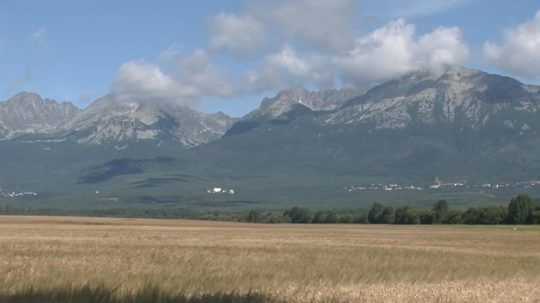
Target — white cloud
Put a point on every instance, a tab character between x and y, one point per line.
387	52
197	71
192	78
395	49
390	51
326	24
314	46
288	69
519	51
444	46
237	34
145	81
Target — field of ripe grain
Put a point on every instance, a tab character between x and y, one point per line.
119	260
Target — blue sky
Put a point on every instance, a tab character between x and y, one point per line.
227	55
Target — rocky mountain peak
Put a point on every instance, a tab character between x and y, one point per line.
433	97
25	98
112	120
286	100
29	113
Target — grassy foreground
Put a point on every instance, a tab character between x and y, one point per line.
52	260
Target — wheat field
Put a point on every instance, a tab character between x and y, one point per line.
54	259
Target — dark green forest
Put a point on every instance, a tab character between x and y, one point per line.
521	210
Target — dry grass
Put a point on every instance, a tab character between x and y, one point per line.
117	260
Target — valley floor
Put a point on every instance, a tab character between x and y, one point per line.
55	259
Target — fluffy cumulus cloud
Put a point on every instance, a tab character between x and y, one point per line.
444	46
287	68
395	49
198	71
239	35
190	79
519	51
311	43
141	80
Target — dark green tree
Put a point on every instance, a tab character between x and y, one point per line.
406	215
471	216
440	211
319	217
492	215
387	216
536	216
346	219
361	219
331	217
298	215
254	216
454	217
375	213
520	210
426	217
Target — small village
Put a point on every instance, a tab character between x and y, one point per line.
438	185
221	191
15	195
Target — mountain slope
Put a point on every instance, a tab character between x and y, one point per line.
461	123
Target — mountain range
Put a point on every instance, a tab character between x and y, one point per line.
456	124
108	120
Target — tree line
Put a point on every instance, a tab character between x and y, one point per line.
521	210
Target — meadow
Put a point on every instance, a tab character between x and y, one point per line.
69	259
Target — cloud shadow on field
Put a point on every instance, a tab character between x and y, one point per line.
88	294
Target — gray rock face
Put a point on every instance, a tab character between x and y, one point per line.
28	113
429	98
325	100
110	121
